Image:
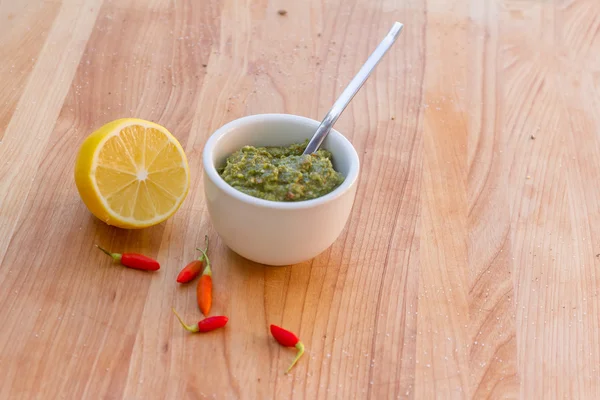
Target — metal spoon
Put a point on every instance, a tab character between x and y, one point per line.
353	87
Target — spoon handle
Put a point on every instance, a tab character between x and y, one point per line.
353	87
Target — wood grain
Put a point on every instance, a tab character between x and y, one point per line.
469	266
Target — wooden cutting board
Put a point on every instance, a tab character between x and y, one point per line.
469	267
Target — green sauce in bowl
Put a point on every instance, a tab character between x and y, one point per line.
281	173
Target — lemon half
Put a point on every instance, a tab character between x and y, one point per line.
132	173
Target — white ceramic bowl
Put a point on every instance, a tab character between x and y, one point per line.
270	232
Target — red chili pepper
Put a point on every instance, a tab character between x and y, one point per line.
288	339
205	325
133	260
191	271
204	288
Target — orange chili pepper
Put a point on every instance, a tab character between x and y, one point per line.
204	288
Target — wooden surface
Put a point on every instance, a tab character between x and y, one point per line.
470	265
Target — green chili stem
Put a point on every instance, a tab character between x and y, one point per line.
115	256
189	328
207	270
205	250
300	348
